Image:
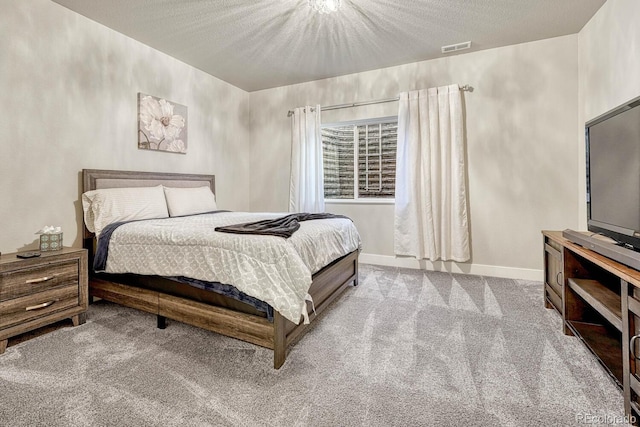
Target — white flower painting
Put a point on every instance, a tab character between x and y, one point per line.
162	125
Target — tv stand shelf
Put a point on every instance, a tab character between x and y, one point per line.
599	301
602	299
604	344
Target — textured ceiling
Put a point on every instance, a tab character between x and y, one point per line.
259	44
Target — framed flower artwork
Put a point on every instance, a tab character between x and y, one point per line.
162	125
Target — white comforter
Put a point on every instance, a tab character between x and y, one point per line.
272	269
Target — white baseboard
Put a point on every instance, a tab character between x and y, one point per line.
453	267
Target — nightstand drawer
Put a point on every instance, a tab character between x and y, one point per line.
29	307
28	281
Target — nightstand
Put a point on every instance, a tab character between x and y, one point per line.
36	292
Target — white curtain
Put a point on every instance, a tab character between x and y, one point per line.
306	191
431	200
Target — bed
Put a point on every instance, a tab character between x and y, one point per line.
169	298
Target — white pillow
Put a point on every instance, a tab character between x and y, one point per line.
190	200
106	206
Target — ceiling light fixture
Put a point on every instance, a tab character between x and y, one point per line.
325	6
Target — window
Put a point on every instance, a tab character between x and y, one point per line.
373	161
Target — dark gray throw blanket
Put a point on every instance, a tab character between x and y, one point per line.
282	227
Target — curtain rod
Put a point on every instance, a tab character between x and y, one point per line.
465	88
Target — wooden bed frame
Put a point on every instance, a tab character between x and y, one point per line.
278	335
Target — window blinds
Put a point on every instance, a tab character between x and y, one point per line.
337	152
377	160
374	160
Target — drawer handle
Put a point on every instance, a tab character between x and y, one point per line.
632	346
39	280
558	278
40	306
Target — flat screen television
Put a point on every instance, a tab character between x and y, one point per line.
613	174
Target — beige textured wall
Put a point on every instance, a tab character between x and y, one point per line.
609	70
521	144
69	91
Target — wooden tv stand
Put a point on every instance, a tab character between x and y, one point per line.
599	301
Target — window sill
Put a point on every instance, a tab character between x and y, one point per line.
359	201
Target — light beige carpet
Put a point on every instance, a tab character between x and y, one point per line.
404	348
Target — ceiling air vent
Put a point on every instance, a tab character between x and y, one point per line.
456	47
